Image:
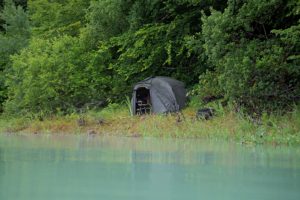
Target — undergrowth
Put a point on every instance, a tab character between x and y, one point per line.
116	120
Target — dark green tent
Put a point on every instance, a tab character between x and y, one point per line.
158	95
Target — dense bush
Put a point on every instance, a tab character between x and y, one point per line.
14	35
254	48
49	75
160	40
76	52
56	18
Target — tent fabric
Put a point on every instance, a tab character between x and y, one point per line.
166	94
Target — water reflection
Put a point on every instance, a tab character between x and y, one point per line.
1	164
80	167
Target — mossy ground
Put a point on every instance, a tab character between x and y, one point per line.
116	120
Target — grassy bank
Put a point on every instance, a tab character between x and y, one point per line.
116	120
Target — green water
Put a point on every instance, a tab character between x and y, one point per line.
82	167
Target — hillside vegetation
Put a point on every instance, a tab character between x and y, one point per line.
60	56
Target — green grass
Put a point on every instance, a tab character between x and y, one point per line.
116	120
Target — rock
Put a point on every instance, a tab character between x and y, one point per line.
81	122
100	121
92	132
205	113
136	135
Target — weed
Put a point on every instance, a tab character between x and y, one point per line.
115	120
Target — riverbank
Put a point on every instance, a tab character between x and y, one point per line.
116	120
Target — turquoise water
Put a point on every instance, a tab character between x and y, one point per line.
82	167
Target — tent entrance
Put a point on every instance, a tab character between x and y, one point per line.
143	102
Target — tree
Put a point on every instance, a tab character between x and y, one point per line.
48	76
56	18
14	37
149	38
253	47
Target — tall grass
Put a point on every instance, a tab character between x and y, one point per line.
115	120
128	104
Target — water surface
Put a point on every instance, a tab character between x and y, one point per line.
83	167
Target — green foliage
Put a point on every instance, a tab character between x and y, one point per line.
86	51
255	65
16	31
162	40
146	38
55	18
14	37
128	104
106	18
49	76
156	49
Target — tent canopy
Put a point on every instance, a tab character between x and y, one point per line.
158	95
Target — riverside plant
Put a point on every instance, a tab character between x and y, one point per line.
226	125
